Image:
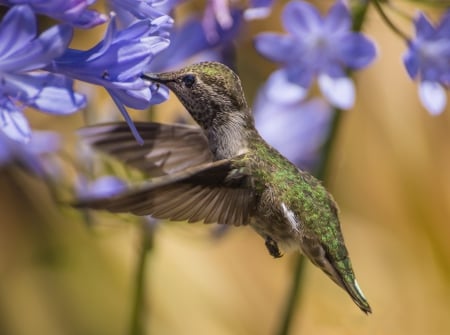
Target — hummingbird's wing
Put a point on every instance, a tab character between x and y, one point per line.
214	192
166	149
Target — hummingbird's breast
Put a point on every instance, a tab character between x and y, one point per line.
275	221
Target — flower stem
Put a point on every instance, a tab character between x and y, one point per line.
293	297
137	324
388	21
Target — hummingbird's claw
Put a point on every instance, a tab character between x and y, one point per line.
272	246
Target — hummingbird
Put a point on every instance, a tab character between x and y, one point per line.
224	172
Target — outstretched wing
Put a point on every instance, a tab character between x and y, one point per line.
166	149
213	192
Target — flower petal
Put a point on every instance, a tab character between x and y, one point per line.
128	11
443	29
179	51
433	97
41	51
338	19
257	13
74	12
14	124
277	47
340	92
17	30
46	91
279	89
356	51
412	63
59	100
300	18
424	28
126	116
138	99
159	94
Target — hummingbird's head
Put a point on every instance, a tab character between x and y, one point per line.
208	90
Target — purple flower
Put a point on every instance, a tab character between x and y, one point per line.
117	63
258	9
106	186
128	11
74	12
32	155
219	14
428	59
297	130
21	51
199	45
316	46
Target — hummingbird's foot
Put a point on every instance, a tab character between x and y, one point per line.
272	246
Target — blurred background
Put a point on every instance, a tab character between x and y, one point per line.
67	272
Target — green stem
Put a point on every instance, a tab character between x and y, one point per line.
321	171
137	325
294	296
388	21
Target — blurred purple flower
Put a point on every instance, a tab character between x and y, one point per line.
22	51
199	45
297	130
106	186
316	46
220	14
258	9
74	12
428	59
117	63
32	155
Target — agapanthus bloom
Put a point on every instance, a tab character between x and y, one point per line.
315	46
22	51
117	63
74	12
428	59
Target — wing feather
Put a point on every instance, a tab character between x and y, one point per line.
166	149
202	193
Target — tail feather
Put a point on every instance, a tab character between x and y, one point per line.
345	277
340	271
358	296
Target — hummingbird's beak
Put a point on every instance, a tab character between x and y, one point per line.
155	77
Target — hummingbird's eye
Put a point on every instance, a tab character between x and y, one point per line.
188	80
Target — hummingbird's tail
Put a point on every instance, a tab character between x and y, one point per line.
343	276
338	267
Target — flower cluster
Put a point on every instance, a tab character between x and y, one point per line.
428	59
37	70
316	46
